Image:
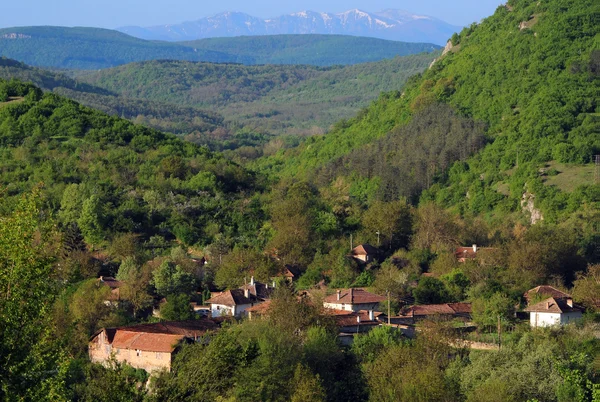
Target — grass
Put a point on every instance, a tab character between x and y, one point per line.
12	99
569	177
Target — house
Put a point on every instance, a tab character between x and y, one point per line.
365	253
290	273
231	302
351	323
114	285
554	311
259	310
543	292
259	290
451	310
353	299
147	346
463	254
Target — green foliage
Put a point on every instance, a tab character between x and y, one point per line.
431	291
367	347
27	291
177	308
172	279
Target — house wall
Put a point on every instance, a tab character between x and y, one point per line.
544	319
352	307
149	361
100	351
220	310
570	317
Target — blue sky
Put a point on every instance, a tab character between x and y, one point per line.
116	13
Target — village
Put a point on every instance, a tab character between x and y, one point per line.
355	312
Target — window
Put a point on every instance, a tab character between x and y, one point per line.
138	353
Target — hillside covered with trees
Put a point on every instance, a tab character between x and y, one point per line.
94	48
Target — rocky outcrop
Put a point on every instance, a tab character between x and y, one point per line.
528	206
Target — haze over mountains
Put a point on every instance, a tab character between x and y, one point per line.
389	24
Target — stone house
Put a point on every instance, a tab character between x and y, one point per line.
554	311
147	346
353	299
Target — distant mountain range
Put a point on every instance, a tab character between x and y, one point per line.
389	24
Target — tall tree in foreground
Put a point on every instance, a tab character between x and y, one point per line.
28	246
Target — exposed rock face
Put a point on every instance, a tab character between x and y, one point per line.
527	203
447	48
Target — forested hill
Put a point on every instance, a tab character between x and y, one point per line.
318	50
95	48
107	176
274	98
167	117
519	92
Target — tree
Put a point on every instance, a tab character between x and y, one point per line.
170	279
28	249
393	221
431	291
307	386
435	229
586	289
242	263
177	308
90	220
487	311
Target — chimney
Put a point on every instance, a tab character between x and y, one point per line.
246	293
338	294
371	315
569	302
358	317
474	248
351	295
548	305
273	284
252	280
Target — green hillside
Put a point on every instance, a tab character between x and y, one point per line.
92	48
110	176
162	116
319	50
276	98
529	74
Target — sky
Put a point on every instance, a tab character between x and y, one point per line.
117	13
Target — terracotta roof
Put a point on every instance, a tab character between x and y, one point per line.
365	249
258	289
289	271
146	341
544	290
352	319
157	337
261	308
354	296
232	298
465	252
554	305
110	282
433	309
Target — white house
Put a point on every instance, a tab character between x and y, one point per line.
231	302
353	300
553	311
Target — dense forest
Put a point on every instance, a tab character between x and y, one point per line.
491	146
95	48
317	50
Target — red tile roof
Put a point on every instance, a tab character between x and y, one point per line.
433	309
110	282
354	296
554	305
365	249
146	341
232	298
351	318
261	308
544	290
157	337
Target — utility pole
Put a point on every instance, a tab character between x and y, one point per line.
389	308
377	233
351	245
499	333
